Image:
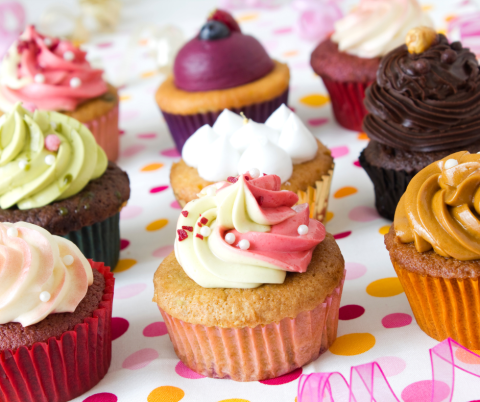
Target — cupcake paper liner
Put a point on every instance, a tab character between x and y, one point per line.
444	308
183	126
105	131
100	241
347	102
389	186
251	354
62	369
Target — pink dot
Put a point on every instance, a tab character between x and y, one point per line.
284	379
125	292
350	312
281	31
338	152
119	327
103	46
357	164
354	270
129	114
102	397
391	365
317	122
363	214
121	132
124	243
132	150
342	235
163	251
140	359
185	372
158	189
421	391
396	320
155	329
175	205
52	142
130	211
147	136
171	153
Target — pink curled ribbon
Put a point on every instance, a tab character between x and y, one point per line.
368	382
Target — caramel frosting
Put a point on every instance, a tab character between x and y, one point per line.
441	208
425	102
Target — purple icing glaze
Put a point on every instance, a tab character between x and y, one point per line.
203	65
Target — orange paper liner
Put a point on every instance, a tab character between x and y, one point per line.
66	367
444	308
253	354
105	131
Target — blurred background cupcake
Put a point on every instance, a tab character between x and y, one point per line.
221	68
51	74
348	60
424	105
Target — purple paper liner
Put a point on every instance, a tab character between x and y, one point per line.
183	126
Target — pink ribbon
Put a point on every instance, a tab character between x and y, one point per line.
368	382
8	10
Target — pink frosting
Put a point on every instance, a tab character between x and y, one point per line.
56	91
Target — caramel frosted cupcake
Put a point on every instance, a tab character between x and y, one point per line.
55	317
434	245
53	75
234	145
221	68
253	288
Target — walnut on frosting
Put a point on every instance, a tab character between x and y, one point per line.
420	39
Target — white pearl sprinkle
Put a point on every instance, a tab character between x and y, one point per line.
68	55
39	78
22	164
205	231
12	232
75	82
302	230
244	244
254	173
50	160
230	238
47	41
450	163
53	124
67	259
45	296
211	190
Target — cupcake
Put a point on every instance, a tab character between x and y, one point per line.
348	60
252	290
424	105
53	75
54	175
55	317
221	68
234	145
434	245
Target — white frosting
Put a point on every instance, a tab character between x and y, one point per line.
376	27
220	161
196	147
297	141
228	122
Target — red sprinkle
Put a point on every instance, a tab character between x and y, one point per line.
247	178
232	179
260	200
199	224
182	235
264	174
199	236
189	228
204	221
185	213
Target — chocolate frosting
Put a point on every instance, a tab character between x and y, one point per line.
425	102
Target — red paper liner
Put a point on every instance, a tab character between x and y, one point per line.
347	102
183	126
260	353
62	369
105	131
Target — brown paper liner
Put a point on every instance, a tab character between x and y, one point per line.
444	308
105	131
254	354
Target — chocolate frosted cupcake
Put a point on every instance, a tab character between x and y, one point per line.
424	105
221	68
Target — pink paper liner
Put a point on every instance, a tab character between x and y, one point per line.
347	102
260	353
105	131
62	369
369	383
183	126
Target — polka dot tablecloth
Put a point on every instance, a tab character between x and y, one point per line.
376	322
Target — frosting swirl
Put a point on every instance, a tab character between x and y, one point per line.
45	156
47	73
425	102
253	234
375	27
441	208
40	274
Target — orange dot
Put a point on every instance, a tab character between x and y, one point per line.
148	74
167	393
329	216
143	42
385	287
247	17
427	7
345	192
151	166
363	137
384	229
125	97
450	17
466	357
291	53
315	100
157	225
352	344
125	264
234	400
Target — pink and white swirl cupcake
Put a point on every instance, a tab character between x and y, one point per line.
55	316
54	75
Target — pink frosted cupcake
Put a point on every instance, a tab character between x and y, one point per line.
54	75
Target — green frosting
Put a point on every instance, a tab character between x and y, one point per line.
29	177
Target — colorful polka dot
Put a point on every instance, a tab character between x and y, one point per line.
163	251
186	372
155	329
234	400
354	270
171	153
104	45
247	17
167	393
338	152
386	287
315	100
124	243
352	344
102	397
158	189
318	122
350	312
345	192
391	365
466	357
363	137
357	164
124	264
130	211
342	235
175	205
157	225
330	215
151	167
129	115
282	31
363	214
140	359
396	320
124	98
290	53
119	327
284	379
384	230
148	74
147	136
421	391
128	291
